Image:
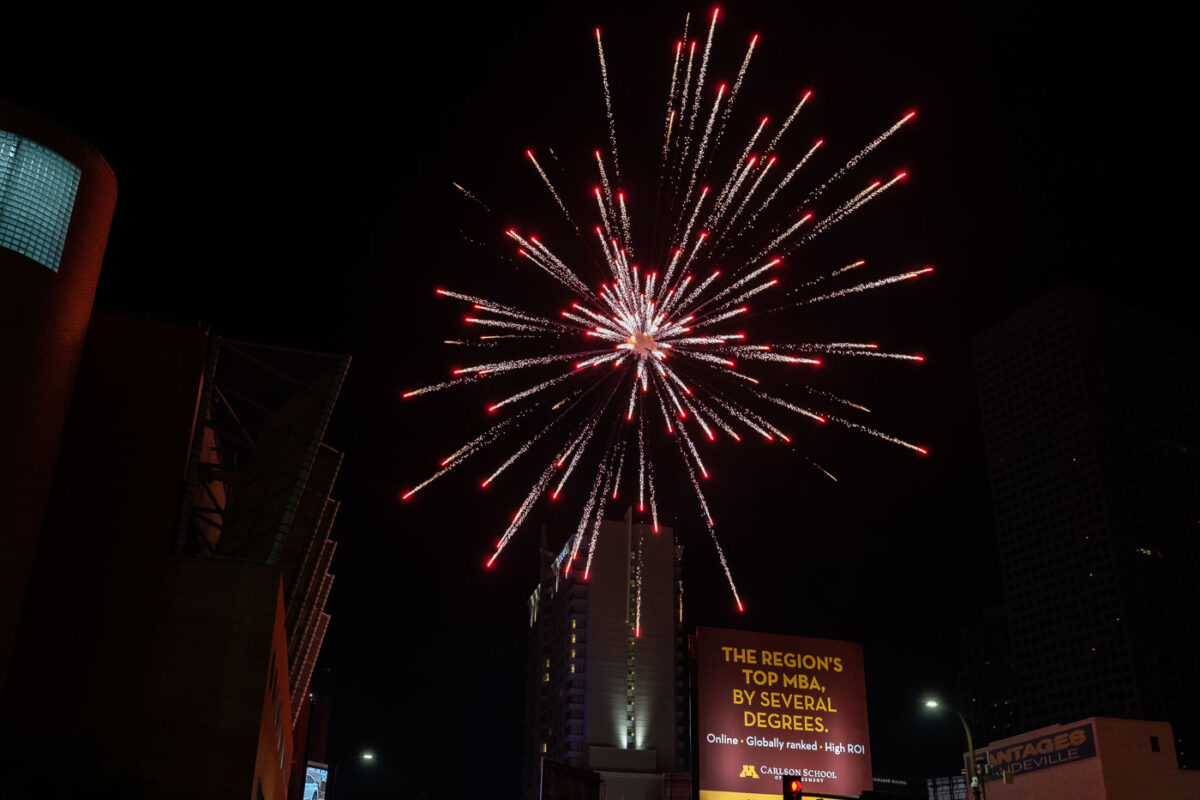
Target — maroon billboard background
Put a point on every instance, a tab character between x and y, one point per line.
770	705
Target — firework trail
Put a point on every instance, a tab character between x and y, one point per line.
737	84
835	398
679	164
671	92
778	188
670	116
470	196
854	203
833	274
612	123
550	185
853	162
703	67
704	139
454	459
826	472
637	582
787	123
863	287
644	353
712	28
886	437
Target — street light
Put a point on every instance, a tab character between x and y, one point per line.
972	775
365	756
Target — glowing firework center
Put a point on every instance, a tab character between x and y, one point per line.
643	345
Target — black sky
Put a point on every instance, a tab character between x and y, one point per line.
286	178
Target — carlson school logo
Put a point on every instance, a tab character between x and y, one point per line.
748	771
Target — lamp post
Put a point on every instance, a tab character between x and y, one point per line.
972	775
365	756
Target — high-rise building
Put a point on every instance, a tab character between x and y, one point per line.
1092	428
607	678
987	693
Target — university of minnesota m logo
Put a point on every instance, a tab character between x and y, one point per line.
748	771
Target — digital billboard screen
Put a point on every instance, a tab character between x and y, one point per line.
316	781
770	705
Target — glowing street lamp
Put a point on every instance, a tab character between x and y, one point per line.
365	756
972	776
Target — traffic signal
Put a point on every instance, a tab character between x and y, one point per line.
791	787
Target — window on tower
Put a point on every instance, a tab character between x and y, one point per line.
37	196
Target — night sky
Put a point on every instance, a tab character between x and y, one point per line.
287	179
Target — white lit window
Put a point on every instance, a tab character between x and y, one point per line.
37	196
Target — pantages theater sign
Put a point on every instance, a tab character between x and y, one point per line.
1042	752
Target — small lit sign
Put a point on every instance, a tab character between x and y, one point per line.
316	781
1043	752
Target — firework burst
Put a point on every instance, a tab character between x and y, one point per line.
648	350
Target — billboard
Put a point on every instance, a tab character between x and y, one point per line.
770	705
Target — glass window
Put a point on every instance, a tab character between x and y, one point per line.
37	195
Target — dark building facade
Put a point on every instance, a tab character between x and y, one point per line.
175	605
1092	428
57	196
987	692
606	689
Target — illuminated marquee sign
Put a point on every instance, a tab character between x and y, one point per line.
1064	747
771	705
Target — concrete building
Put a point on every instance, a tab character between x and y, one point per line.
607	687
1092	759
175	605
57	196
950	787
1092	429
